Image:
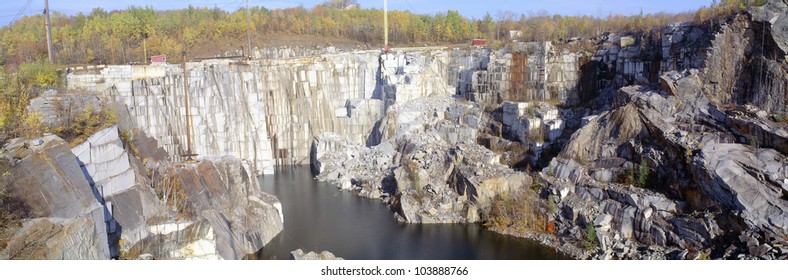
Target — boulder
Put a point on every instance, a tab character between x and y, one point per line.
228	215
225	192
179	241
299	255
50	186
131	210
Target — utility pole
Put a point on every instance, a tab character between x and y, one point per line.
248	31
188	116
49	33
144	48
386	24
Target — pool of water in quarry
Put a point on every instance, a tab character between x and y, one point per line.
320	217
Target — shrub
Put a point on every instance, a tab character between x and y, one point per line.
16	88
628	177
520	211
643	173
551	227
551	207
31	126
85	124
40	74
753	142
590	240
413	173
779	118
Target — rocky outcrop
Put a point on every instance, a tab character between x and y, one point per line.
524	72
100	203
683	141
329	148
58	239
299	255
122	183
442	183
406	77
427	167
229	217
759	130
69	219
742	178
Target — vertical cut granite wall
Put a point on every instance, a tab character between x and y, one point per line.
266	111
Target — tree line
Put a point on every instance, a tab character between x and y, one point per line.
116	37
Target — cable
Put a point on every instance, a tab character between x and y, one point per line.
20	10
411	7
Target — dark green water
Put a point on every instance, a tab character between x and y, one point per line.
319	217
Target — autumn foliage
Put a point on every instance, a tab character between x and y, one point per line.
116	37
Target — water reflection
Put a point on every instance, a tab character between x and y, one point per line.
319	217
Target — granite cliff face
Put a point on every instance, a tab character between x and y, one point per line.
265	111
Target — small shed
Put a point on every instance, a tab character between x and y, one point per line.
479	42
158	59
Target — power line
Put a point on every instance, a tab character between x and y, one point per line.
20	10
411	7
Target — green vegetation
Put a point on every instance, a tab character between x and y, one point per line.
17	86
20	84
116	37
643	174
779	118
753	142
590	241
551	207
640	178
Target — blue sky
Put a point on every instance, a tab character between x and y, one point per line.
469	8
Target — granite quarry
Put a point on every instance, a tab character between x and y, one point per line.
669	145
